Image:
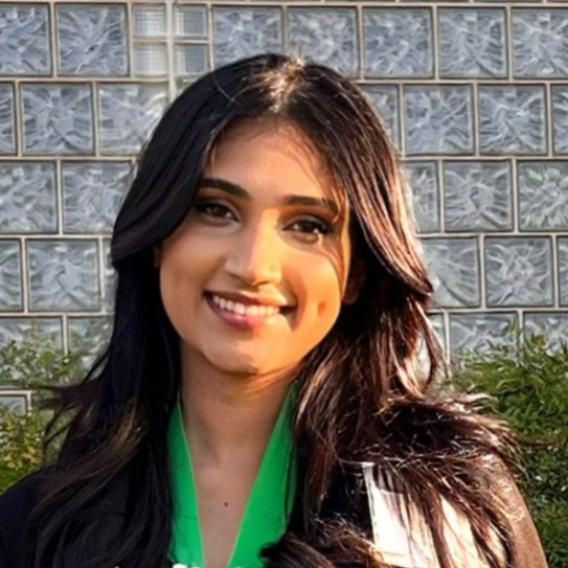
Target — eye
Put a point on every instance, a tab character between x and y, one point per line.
313	226
213	209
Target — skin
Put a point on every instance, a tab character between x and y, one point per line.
234	381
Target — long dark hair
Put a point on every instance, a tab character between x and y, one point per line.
364	397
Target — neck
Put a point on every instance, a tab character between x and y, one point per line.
228	418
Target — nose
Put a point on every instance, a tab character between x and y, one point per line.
255	257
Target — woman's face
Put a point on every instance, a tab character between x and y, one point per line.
264	226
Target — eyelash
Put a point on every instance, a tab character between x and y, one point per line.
323	227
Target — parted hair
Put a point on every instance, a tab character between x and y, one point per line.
368	390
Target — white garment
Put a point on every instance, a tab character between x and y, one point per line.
405	540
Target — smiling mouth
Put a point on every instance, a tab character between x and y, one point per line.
251	310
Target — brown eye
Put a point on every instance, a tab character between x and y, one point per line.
313	226
213	209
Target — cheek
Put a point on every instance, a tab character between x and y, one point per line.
183	271
172	289
319	292
187	261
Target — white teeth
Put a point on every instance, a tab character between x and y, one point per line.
242	309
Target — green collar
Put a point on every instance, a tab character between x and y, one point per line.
267	511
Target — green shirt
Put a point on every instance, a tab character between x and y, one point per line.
269	505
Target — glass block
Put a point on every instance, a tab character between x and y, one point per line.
149	20
110	278
540	41
28	197
7	120
437	321
128	115
552	325
92	40
480	332
518	271
48	331
438	119
24	37
92	194
385	100
150	60
10	276
191	22
243	32
454	269
15	401
423	181
543	195
512	120
560	118
58	119
89	336
63	275
563	270
478	196
192	60
183	83
473	42
398	42
326	35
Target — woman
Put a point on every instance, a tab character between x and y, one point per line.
260	401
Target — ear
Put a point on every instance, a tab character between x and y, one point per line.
356	281
157	255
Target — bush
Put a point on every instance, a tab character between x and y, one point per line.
21	442
529	388
30	364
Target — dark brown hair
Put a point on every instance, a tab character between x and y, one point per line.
364	397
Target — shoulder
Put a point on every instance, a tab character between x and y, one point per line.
18	499
100	524
15	505
528	551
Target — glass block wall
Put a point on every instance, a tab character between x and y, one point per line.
475	94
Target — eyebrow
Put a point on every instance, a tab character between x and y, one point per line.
238	191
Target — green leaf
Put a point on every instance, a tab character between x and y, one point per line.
530	386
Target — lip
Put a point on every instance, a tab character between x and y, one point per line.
245	321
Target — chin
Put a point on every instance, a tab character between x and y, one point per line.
240	365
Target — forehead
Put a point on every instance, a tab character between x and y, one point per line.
271	154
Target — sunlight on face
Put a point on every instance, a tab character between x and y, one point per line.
264	225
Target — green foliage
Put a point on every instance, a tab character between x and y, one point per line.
21	442
528	384
27	365
30	364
